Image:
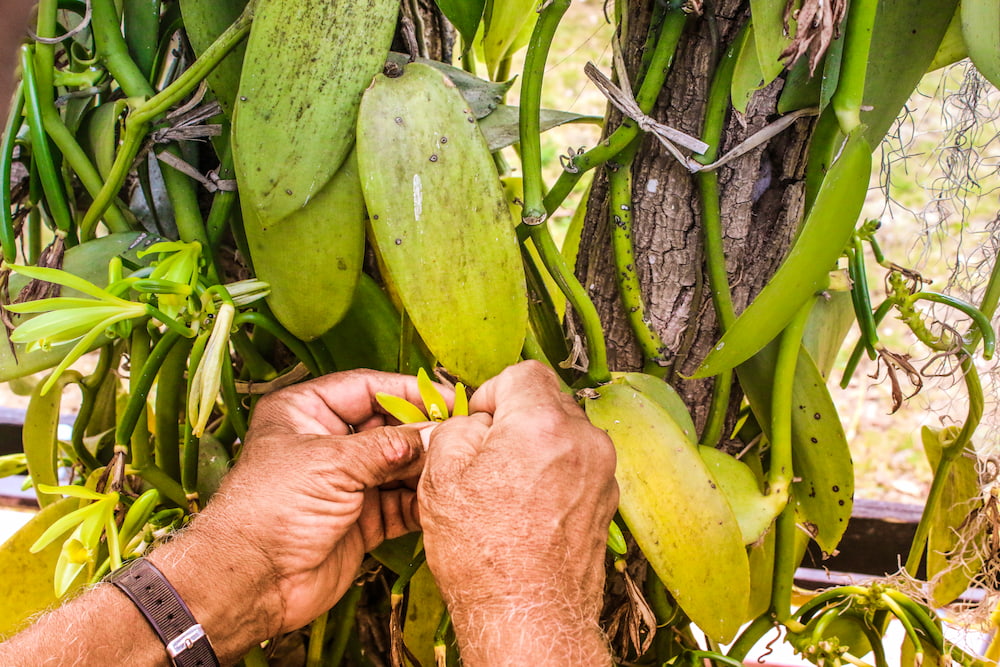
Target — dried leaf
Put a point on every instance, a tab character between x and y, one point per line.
818	23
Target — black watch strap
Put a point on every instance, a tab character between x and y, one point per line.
185	640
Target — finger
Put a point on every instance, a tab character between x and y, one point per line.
454	443
333	403
370	520
381	455
525	386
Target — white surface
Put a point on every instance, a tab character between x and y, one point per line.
11	521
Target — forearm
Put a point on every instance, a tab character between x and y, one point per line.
100	627
227	594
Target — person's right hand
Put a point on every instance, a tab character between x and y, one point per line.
515	503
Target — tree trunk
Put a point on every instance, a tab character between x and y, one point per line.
761	197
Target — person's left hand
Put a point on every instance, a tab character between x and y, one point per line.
318	485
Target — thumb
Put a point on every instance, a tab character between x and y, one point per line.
381	455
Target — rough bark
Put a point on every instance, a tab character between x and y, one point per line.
761	196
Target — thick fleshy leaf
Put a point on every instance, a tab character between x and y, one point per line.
824	486
29	591
981	30
675	510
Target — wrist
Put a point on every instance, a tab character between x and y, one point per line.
543	628
226	582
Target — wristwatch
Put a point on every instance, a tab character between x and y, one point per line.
184	638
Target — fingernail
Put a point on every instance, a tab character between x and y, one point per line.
425	434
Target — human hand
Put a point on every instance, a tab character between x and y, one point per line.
308	498
515	503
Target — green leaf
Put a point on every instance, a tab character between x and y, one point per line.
464	15
981	30
397	554
950	573
424	607
905	39
770	39
505	22
747	75
675	510
824	486
501	127
754	511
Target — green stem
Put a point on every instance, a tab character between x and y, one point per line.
89	390
849	96
979	319
556	264
164	483
317	635
624	134
779	477
529	119
259	368
222	203
297	347
346	614
127	74
620	197
324	360
55	197
8	241
718	409
974	389
784	565
716	109
750	636
859	349
231	399
533	350
33	245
